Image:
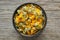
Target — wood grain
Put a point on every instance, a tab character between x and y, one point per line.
52	9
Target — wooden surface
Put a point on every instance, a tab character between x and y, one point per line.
52	9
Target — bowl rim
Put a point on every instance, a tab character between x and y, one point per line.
38	31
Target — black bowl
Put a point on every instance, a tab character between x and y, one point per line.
39	32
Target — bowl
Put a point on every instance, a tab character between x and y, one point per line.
40	31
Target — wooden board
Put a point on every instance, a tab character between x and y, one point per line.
52	9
